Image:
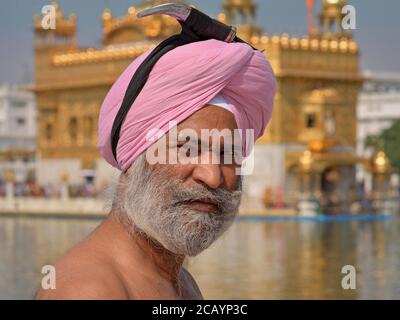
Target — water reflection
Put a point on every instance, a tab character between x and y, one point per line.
254	260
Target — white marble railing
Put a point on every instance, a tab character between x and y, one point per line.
87	206
91	207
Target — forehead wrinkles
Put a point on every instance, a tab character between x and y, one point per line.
206	136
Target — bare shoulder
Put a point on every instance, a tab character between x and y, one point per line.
81	275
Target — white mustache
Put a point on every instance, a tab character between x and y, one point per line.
225	200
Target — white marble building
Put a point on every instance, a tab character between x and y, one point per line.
17	131
378	108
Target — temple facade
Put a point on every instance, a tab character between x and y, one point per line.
318	81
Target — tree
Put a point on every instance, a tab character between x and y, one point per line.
388	141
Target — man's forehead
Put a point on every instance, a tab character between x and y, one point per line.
209	117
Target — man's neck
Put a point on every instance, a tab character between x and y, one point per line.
163	261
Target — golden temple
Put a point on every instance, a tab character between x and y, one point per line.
318	80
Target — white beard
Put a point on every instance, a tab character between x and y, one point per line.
154	202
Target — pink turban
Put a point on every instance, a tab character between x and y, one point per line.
183	81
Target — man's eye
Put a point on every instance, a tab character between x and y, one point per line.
188	146
231	157
188	149
227	153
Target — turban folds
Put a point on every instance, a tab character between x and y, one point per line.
183	81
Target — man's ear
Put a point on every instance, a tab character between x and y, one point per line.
119	189
122	176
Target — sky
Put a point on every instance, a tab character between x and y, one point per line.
378	28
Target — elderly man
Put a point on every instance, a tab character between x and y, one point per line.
165	211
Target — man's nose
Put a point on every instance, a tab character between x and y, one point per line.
209	174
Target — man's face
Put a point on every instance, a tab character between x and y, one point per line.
186	206
211	172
